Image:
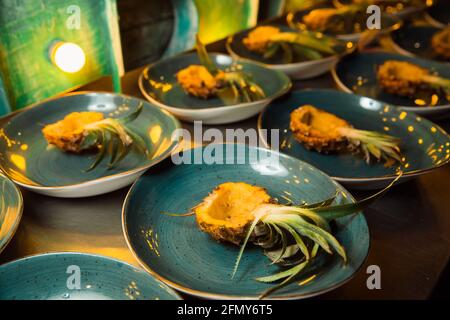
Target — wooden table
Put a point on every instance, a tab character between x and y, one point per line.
409	227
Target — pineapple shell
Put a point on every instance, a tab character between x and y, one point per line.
441	43
402	78
68	134
319	130
198	82
227	212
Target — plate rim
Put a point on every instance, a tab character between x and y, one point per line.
86	254
172	148
398	22
160	104
388	177
206	295
20	213
277	66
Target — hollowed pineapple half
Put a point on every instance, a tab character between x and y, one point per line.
69	133
401	77
196	80
259	39
80	131
228	211
441	43
318	129
319	19
324	132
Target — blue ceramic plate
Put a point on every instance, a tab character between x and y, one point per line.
300	68
416	41
26	157
357	73
159	85
389	22
397	8
11	206
439	13
78	276
424	145
178	253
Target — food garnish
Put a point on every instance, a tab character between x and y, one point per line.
408	79
291	235
225	222
324	132
83	131
207	80
441	43
269	41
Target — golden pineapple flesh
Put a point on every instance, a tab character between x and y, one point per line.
228	211
317	129
198	82
319	19
68	133
441	43
324	132
258	39
401	77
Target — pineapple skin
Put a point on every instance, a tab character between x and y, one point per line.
258	39
401	78
322	136
227	212
68	134
319	19
441	43
198	82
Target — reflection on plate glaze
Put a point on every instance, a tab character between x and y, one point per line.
18	160
160	86
362	86
9	142
10	211
152	240
154	133
132	291
120	109
157	85
438	154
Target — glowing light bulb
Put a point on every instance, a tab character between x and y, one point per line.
68	57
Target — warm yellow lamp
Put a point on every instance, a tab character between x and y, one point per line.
68	56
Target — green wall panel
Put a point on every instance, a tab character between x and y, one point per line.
29	27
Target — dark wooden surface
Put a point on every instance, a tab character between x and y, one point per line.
409	227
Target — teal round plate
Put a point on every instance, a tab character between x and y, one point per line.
416	41
439	13
11	207
174	250
78	276
399	8
424	145
357	74
299	68
28	160
236	47
159	85
389	22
